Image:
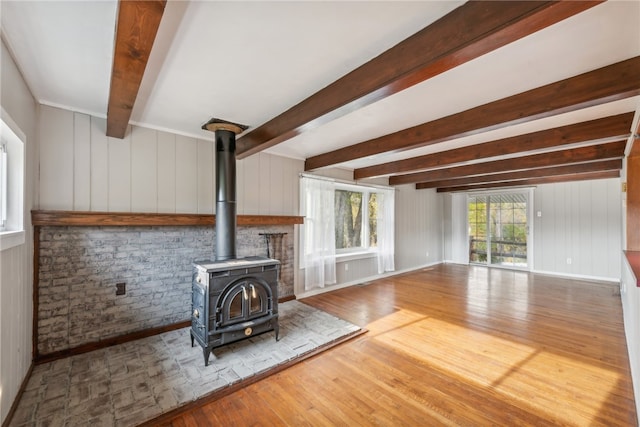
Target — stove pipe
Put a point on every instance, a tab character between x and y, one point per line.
225	140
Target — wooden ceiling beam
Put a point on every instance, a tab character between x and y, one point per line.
612	150
136	29
435	49
613	128
607	84
598	166
535	181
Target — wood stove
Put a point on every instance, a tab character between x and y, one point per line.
232	298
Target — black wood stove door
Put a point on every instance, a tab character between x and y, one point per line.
246	299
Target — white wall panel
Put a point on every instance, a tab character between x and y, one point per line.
153	171
144	174
186	175
206	183
251	185
120	173
56	159
81	162
16	267
166	170
264	184
580	221
99	165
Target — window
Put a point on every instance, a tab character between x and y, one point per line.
347	220
356	219
11	183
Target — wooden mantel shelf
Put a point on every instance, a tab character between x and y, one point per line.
633	258
87	219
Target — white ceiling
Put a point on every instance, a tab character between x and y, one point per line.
247	62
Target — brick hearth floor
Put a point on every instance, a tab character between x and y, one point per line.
130	383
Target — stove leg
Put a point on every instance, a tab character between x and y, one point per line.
192	343
277	329
206	352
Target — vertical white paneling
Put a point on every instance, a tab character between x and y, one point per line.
166	180
583	201
144	170
459	230
276	187
205	162
240	193
56	158
298	168
99	165
81	162
252	185
120	173
186	175
614	226
264	177
580	220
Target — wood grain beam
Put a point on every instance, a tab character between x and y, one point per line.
136	29
89	219
607	84
437	48
534	181
613	128
599	166
612	150
633	203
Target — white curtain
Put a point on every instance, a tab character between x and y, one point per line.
385	230
319	246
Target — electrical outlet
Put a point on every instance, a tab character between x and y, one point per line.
569	261
346	266
121	288
427	254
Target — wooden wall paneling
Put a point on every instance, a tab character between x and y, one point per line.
582	222
240	191
166	172
56	158
264	176
252	184
120	173
99	165
81	162
613	196
298	168
186	175
144	170
206	177
276	181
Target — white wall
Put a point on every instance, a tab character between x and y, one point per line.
150	171
582	221
16	282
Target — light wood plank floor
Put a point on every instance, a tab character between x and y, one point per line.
454	345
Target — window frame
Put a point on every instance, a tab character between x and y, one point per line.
364	250
15	140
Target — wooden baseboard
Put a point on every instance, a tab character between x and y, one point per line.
85	348
14	405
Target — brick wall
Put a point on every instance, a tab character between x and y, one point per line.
80	266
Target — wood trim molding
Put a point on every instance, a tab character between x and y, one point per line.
137	25
433	50
607	84
87	219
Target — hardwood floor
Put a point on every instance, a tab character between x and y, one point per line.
453	345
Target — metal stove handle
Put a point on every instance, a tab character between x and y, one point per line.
253	291
244	293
